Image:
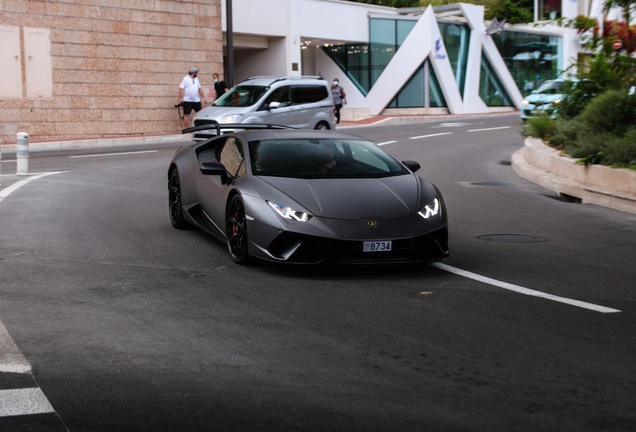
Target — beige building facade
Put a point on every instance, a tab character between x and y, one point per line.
93	68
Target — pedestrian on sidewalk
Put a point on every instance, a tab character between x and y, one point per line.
190	94
339	98
220	86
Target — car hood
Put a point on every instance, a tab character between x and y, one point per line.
352	199
543	98
215	113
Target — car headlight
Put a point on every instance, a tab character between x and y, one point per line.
430	210
525	102
231	118
290	213
556	101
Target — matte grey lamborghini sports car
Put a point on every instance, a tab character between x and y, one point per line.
307	197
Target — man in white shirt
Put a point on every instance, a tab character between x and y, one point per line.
189	92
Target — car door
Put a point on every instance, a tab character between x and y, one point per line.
281	112
310	101
213	189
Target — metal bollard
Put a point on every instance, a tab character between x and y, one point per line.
22	154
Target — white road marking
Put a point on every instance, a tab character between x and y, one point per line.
15	186
445	125
11	359
113	154
489	129
9	160
522	290
432	135
24	402
388	142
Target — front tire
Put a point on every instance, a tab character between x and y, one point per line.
175	205
236	231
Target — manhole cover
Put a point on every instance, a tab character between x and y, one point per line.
491	184
512	238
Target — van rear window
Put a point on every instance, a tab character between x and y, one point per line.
309	94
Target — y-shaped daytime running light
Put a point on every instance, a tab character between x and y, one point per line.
290	213
432	209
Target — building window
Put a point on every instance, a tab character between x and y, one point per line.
456	40
11	77
531	59
382	46
549	9
39	74
491	90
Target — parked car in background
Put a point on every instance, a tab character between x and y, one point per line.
302	102
543	99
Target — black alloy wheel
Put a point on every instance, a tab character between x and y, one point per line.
236	231
175	205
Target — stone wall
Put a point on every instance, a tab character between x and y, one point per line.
116	64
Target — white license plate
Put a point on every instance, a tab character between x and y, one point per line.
377	246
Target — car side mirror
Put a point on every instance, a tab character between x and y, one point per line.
412	165
534	91
212	168
273	105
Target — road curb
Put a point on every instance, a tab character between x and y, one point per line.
97	142
614	188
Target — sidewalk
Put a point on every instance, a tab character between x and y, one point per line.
385	120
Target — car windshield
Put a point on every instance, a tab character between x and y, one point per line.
322	158
552	87
241	96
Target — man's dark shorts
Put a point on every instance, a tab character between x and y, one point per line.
189	106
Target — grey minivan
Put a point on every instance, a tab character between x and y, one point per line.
303	102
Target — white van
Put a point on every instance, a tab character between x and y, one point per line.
303	102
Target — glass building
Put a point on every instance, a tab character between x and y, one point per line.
531	59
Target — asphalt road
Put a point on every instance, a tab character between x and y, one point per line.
132	325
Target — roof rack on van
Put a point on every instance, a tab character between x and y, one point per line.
280	78
209	124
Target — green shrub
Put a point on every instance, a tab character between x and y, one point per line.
541	126
587	146
578	95
613	112
621	152
566	132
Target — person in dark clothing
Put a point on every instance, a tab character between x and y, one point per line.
220	87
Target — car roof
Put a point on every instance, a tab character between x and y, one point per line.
268	81
267	134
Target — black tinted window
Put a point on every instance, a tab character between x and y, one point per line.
322	158
241	96
309	94
280	95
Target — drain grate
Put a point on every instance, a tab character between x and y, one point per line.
491	184
505	162
512	238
